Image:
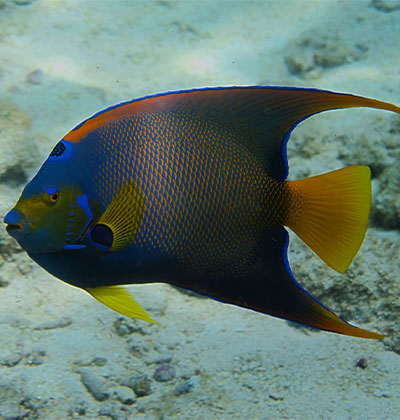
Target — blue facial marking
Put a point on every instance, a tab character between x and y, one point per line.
51	190
73	247
83	203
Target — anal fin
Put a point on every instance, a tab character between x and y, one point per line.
273	290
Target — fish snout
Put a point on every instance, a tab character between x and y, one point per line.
14	220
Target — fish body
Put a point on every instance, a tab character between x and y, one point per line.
189	188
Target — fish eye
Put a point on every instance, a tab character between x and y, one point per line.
52	195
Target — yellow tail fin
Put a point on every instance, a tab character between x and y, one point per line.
330	213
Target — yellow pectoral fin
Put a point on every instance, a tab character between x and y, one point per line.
123	216
120	300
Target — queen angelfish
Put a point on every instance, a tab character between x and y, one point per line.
188	188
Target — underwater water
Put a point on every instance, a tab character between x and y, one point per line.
63	355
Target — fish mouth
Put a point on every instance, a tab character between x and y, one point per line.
14	220
14	227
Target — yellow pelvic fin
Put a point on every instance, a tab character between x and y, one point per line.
330	213
124	215
120	300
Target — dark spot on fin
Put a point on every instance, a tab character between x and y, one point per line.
102	234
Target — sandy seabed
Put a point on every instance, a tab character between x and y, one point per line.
64	355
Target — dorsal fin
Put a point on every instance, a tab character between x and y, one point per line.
263	116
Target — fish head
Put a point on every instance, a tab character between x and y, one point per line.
52	212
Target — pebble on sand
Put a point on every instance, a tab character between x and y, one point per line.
164	372
187	386
124	394
96	385
56	323
141	385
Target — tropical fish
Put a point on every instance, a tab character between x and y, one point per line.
188	188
